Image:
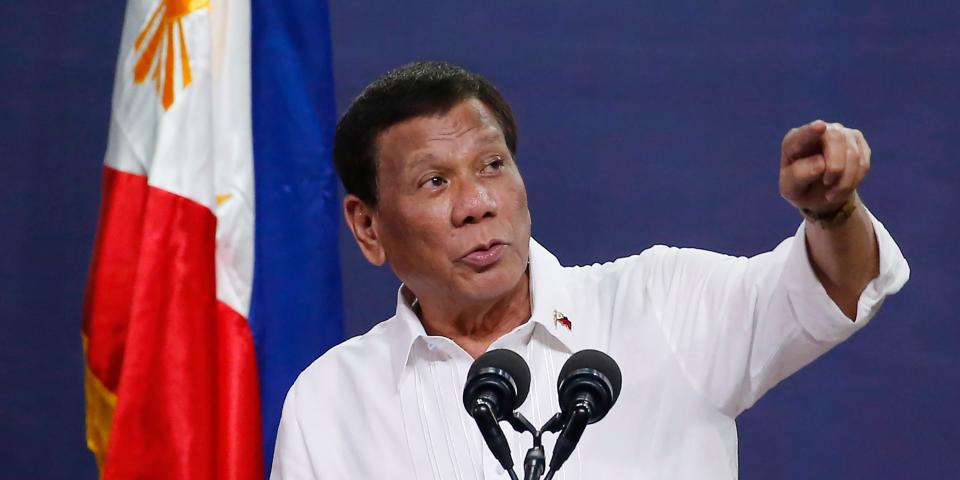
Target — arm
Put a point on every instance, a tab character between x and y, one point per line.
845	258
821	166
738	326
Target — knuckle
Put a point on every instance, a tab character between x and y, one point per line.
847	188
790	133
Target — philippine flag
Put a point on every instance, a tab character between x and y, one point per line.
215	275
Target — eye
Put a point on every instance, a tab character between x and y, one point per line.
435	181
496	163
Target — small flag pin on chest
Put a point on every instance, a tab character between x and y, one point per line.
561	319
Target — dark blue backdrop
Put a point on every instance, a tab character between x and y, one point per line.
639	124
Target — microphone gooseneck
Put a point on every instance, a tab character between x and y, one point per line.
497	384
588	386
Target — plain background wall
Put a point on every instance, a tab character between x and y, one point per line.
639	124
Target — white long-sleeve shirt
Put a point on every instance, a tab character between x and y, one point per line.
699	338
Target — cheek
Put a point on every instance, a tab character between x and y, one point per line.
416	224
518	195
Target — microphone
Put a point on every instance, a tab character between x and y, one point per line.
497	384
588	386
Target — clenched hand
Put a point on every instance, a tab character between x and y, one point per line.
821	165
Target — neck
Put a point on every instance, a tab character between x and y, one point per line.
476	326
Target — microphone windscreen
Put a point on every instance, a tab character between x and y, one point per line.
596	360
510	362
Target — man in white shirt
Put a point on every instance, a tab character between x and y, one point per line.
427	157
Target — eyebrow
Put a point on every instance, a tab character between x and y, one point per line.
420	159
492	136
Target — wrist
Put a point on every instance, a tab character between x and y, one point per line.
835	217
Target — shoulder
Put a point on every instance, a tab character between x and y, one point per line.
335	404
359	363
659	259
653	271
638	263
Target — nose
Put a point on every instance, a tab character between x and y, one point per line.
474	203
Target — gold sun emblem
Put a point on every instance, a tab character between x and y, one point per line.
157	54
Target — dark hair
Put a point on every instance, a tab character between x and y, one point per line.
412	90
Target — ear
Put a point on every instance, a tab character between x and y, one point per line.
362	223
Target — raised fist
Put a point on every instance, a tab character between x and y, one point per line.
821	165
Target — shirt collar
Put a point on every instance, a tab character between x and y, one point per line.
551	307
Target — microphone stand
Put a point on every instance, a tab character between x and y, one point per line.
554	425
535	462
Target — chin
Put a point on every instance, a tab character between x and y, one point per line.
493	283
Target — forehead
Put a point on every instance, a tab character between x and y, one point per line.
469	121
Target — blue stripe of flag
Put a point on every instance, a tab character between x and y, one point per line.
296	311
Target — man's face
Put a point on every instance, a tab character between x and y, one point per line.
452	217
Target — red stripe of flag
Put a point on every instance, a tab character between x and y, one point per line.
180	362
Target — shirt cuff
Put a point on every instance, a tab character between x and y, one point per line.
816	312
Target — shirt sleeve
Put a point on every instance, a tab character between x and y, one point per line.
291	460
739	326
